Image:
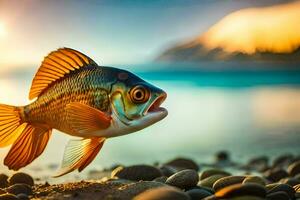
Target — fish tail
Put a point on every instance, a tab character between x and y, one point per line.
28	140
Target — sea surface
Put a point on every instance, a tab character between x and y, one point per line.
246	112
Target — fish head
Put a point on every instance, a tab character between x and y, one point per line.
137	103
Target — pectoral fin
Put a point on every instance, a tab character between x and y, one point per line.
86	119
79	154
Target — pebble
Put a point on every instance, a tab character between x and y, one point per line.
196	193
247	197
184	179
3	181
280	195
281	187
226	181
294	168
131	190
237	190
19	188
168	170
161	179
255	179
21	177
209	172
283	160
163	193
290	181
275	174
137	173
209	181
23	196
183	163
8	197
259	163
2	191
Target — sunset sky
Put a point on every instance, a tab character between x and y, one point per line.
111	32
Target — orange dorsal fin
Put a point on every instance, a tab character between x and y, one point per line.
79	154
86	119
55	66
29	145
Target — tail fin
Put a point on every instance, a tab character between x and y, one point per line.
28	141
10	124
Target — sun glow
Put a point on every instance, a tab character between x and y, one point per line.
2	30
270	29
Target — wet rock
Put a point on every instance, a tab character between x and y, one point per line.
183	163
19	188
22	196
8	197
222	156
131	190
163	193
196	194
209	172
290	181
294	168
226	181
238	190
161	179
21	177
209	181
283	160
3	180
275	174
137	172
255	179
278	196
281	187
259	163
168	170
184	179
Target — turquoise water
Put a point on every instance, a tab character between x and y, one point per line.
248	113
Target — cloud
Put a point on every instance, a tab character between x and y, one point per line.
269	29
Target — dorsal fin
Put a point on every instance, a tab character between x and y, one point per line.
55	66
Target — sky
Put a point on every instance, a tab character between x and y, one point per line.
110	32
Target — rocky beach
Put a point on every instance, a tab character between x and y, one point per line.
181	178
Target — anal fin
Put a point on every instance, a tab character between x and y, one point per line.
79	154
28	146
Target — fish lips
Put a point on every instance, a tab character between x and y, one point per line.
155	109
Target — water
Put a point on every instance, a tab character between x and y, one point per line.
247	113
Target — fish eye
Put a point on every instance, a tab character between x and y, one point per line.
139	94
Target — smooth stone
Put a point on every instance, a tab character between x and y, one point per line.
3	181
209	181
284	188
137	173
2	191
297	188
237	190
259	163
196	194
23	196
168	170
212	197
297	176
184	179
19	188
207	173
290	181
280	195
183	163
294	168
222	156
8	197
131	190
226	181
163	193
254	179
161	179
275	174
283	160
247	197
21	177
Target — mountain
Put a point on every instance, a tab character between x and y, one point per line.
254	34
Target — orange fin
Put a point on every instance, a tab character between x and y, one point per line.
10	124
29	145
79	154
55	66
84	118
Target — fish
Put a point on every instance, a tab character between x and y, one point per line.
71	93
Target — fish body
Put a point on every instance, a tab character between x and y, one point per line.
76	96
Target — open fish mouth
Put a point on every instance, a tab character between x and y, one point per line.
156	105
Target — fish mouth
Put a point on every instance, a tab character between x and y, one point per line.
156	105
